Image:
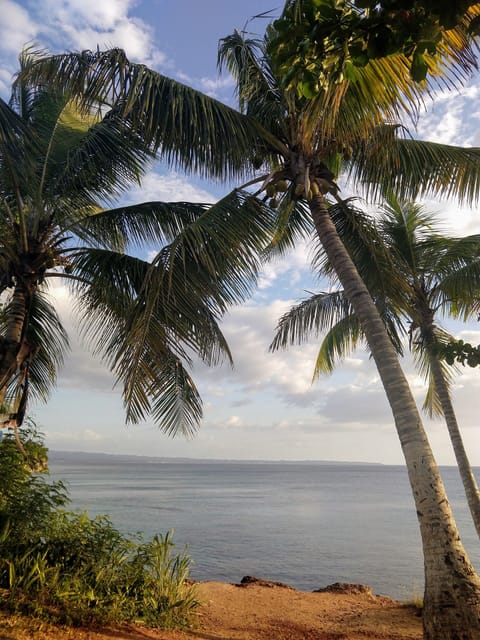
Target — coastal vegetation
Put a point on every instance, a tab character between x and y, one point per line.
415	275
69	568
292	139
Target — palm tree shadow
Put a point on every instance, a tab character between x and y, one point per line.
134	633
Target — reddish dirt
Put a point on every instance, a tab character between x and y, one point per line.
258	611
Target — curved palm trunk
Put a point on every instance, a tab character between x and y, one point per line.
469	482
452	588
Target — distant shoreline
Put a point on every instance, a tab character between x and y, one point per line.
58	456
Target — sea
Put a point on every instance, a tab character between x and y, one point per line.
307	524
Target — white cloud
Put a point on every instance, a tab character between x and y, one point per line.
215	86
169	187
295	263
234	421
452	117
16	28
78	24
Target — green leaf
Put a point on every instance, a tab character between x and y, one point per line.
419	67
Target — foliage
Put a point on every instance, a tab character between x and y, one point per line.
333	37
63	165
72	568
413	272
165	592
461	352
26	498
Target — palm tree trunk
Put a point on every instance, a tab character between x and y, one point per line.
452	588
469	482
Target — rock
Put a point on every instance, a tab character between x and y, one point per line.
347	588
260	582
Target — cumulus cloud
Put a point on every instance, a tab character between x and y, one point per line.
167	187
75	24
16	28
452	117
295	263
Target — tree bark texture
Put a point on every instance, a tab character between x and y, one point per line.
452	588
469	481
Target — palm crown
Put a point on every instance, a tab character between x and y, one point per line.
61	164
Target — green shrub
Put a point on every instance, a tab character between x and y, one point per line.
75	569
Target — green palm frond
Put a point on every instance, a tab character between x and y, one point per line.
422	354
458	277
339	342
293	223
141	348
193	131
138	224
363	240
176	403
257	89
415	168
310	318
47	333
225	245
15	143
48	342
107	160
332	314
382	91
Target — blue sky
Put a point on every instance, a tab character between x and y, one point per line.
265	407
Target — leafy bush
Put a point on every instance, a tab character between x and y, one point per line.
72	568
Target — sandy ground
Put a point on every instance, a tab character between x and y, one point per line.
259	611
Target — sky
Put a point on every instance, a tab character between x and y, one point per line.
265	407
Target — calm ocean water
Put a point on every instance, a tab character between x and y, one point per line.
308	524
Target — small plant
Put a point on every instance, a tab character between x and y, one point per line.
168	598
415	599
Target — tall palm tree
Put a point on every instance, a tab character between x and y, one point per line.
60	166
414	274
301	144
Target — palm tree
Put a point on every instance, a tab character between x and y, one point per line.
60	167
301	144
413	273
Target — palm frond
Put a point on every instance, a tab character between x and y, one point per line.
191	130
422	355
309	318
176	403
137	224
225	246
258	92
47	333
293	223
98	163
48	342
16	141
340	341
416	168
458	277
140	345
363	240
